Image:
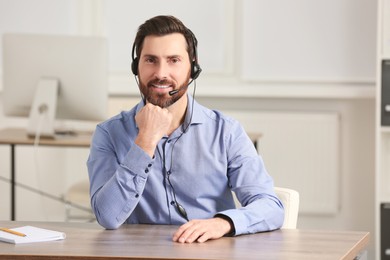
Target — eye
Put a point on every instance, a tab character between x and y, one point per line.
174	60
150	60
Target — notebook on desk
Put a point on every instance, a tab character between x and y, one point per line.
32	235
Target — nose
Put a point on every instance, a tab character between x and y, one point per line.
162	70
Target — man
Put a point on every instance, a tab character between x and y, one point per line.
170	160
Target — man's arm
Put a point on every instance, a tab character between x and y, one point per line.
248	178
118	178
261	211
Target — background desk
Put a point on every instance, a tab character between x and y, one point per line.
89	240
18	136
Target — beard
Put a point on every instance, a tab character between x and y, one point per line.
162	100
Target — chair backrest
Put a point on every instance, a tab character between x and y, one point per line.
290	200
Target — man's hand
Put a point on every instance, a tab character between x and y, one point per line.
201	230
153	123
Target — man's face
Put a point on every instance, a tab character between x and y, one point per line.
164	66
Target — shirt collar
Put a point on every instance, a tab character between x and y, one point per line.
194	110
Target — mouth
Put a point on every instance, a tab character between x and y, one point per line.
161	86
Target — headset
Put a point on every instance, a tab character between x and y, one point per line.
195	67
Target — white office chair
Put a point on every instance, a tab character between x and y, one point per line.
290	200
78	194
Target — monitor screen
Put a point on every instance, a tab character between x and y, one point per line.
76	65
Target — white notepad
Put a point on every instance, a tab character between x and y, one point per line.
33	234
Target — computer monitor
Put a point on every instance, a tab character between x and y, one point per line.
48	77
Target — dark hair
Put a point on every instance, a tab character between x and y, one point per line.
163	25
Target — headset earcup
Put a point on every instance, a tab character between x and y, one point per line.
195	70
134	66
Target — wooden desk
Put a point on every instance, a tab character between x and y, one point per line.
90	241
18	136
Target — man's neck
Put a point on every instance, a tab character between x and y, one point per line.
178	109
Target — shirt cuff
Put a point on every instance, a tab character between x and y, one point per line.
137	161
233	230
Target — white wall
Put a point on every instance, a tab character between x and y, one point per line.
263	56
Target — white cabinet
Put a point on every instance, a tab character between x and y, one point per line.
383	130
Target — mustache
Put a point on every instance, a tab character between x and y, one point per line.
160	82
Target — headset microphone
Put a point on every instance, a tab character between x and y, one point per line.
173	92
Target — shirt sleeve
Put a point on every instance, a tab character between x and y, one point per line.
248	178
116	183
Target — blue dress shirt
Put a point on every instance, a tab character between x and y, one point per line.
206	158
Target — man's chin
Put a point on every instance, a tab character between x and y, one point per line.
162	102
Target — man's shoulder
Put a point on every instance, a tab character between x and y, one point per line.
218	116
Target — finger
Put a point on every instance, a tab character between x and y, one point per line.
189	232
187	236
203	238
194	236
179	232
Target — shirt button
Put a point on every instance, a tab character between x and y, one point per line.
146	170
137	195
150	165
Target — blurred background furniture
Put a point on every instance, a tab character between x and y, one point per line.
290	200
78	206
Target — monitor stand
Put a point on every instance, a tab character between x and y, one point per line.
43	109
